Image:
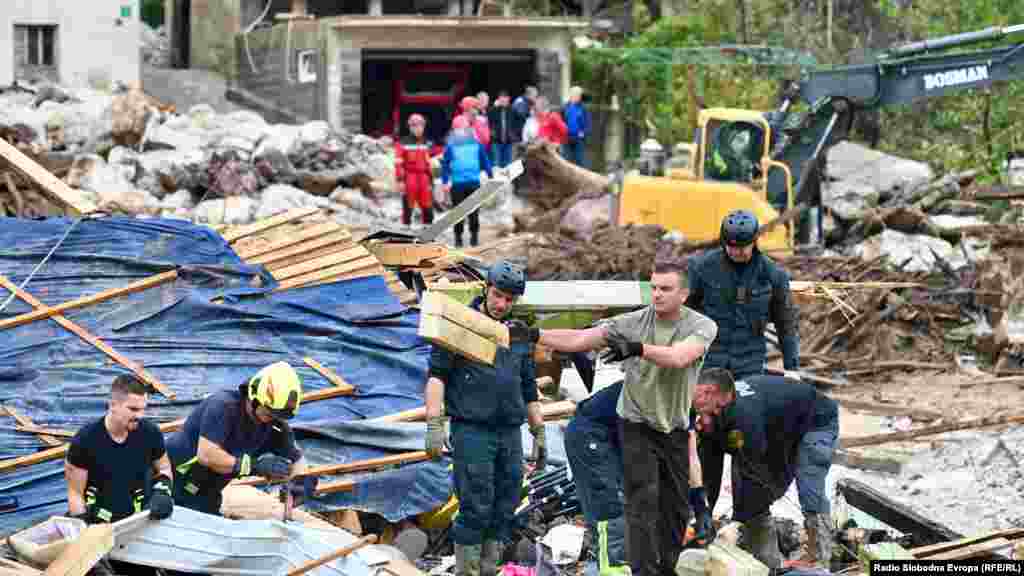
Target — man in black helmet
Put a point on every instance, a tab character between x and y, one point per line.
487	406
742	290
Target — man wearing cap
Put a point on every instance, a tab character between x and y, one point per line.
413	170
742	290
236	433
487	406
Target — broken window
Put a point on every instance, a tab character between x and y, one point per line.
38	44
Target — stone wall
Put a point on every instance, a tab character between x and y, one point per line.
273	74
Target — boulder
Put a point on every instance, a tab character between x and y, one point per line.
281	197
132	202
233	210
850	163
911	251
849	200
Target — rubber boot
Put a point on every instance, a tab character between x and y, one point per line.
428	215
604	567
406	211
490	556
761	540
467	560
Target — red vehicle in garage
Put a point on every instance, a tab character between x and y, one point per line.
431	90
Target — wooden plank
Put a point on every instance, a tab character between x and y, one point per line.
268	223
346	468
974	550
52	432
454	338
304	250
930	430
552	411
872	502
932	549
77	330
322	263
306	256
439	304
887	409
327	373
330	274
73	201
406	255
81	555
48	311
23	420
851	459
337	554
309	233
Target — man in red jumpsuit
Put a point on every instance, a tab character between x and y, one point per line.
412	170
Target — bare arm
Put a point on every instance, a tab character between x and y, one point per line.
574	340
214	457
696	473
678	355
77	478
534	415
162	465
434	396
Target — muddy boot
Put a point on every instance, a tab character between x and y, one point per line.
458	241
490	556
761	540
818	550
467	560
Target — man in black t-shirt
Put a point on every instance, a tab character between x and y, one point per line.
118	463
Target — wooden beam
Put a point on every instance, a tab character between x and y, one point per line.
303	250
552	411
346	468
319	264
327	373
887	409
874	503
339	553
930	430
73	201
331	274
77	330
268	223
23	420
440	304
48	311
314	231
54	433
930	550
309	254
974	550
406	255
454	338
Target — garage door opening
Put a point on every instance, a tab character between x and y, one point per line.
396	84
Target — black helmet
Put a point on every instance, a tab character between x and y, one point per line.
739	228
507	277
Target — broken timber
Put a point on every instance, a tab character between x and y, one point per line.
51	186
25	421
77	330
328	374
437	304
406	255
930	430
872	502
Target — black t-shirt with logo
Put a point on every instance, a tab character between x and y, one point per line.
119	473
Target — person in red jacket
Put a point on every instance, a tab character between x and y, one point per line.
412	170
551	126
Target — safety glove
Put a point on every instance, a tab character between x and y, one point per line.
540	447
270	466
518	331
620	348
161	503
435	436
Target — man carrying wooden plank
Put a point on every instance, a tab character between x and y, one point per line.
663	345
118	464
487	405
236	433
776	431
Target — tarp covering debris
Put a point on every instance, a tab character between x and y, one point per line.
195	346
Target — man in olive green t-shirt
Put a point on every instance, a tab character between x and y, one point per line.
663	347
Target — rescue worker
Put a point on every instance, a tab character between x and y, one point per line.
464	158
501	119
776	431
471	112
413	171
117	465
742	290
486	406
236	433
663	346
595	459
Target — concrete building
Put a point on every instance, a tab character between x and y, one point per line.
365	65
70	41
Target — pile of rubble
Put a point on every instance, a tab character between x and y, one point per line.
155	46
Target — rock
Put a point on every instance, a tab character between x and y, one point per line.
240	138
246	117
92	173
585	214
229	175
281	137
281	197
178	199
950	222
129	111
178	139
849	162
132	202
914	249
849	200
172	170
233	210
273	165
51	93
127	160
314	133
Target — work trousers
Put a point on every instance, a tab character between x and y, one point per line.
501	153
575	152
459	193
488	464
596	464
656	468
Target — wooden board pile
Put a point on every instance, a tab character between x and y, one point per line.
448	323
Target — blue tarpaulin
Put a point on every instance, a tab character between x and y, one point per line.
210	329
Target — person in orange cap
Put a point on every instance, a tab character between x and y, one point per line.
471	112
412	170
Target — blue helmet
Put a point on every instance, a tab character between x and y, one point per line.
739	228
507	277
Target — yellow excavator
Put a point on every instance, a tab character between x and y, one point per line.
772	163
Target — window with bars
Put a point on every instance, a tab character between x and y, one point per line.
39	44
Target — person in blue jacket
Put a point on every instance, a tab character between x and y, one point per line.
776	430
577	120
487	405
464	158
743	290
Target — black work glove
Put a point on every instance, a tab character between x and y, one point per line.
620	349
272	466
161	503
518	331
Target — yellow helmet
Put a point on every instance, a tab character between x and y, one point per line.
278	389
